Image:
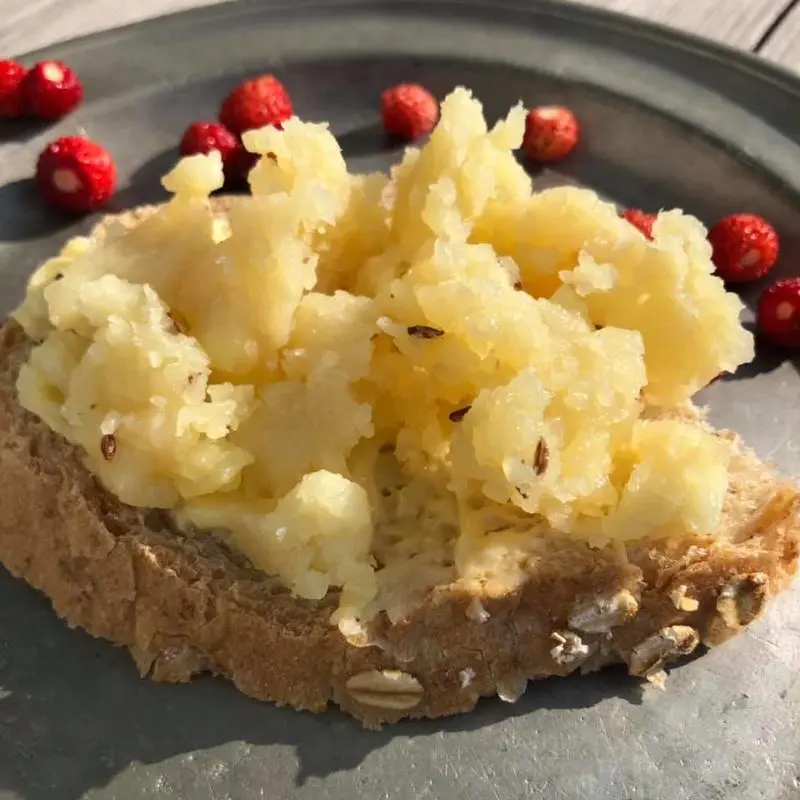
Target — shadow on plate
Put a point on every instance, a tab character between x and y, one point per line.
769	358
144	186
367	141
22	130
74	713
24	217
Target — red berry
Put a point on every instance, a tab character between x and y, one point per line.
204	137
51	89
551	133
11	76
778	312
76	174
745	247
256	103
408	111
640	220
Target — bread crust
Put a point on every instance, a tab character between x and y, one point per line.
185	604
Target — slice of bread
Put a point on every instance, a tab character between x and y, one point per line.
186	604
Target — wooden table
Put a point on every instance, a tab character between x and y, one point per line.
768	27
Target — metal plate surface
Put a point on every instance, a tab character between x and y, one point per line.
669	121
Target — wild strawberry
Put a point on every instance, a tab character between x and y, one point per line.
551	133
778	312
408	111
256	103
51	89
640	220
204	137
12	74
745	247
76	174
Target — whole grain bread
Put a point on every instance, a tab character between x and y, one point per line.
187	603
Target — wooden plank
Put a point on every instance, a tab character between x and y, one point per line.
739	23
783	46
30	24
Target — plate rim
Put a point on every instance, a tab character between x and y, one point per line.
779	76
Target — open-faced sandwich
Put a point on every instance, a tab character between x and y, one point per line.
389	442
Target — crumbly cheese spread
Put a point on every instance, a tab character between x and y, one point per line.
378	382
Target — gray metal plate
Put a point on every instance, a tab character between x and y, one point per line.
668	121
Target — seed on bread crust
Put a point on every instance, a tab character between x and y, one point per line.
570	648
650	655
601	614
743	599
388	688
739	602
404	651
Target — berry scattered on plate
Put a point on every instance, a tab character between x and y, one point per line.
745	247
551	133
408	111
640	220
51	90
204	137
254	104
76	174
12	74
778	312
